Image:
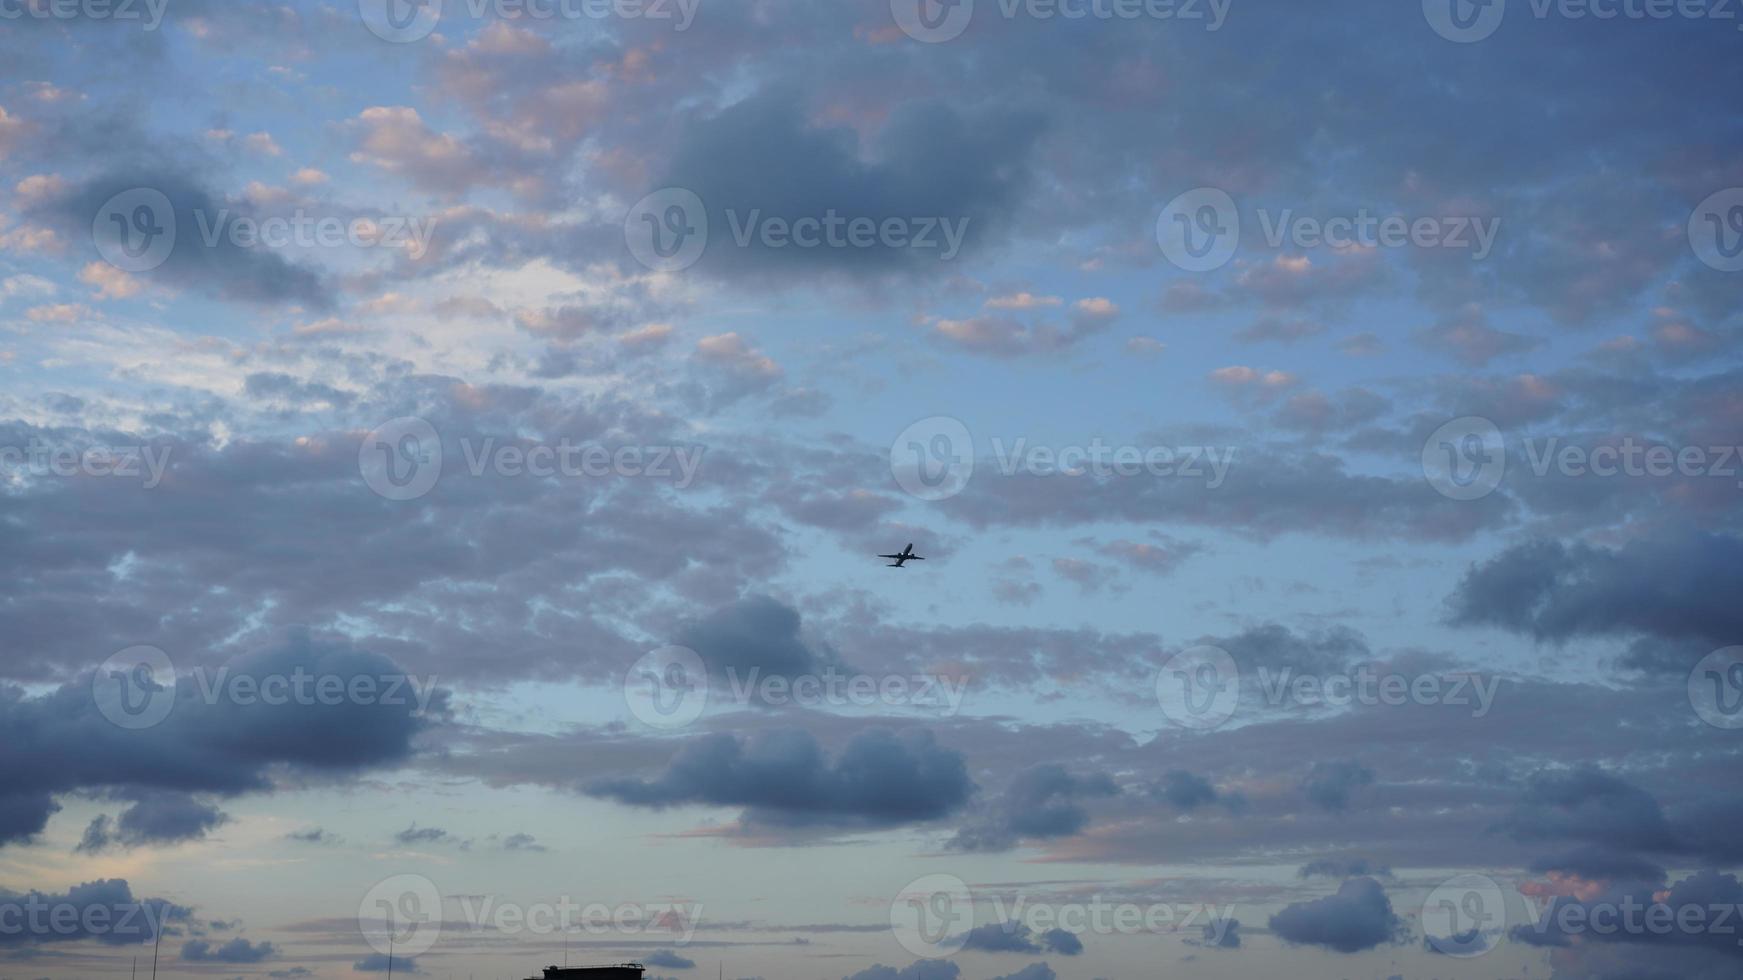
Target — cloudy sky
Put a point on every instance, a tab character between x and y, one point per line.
444	451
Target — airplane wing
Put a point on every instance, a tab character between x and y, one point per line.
892	556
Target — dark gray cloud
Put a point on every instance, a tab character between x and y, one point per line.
669	960
105	911
785	778
1015	937
1668	588
761	158
156	817
1041	802
237	950
1331	785
219	266
1358	917
61	743
755	636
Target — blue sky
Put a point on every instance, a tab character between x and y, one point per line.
1399	344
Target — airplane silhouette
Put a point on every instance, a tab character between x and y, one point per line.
906	555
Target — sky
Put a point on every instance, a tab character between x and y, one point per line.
446	451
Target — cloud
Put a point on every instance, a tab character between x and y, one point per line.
1667	588
104	910
421	835
61	743
667	959
757	635
1015	937
1183	790
762	159
220	268
1358	917
1331	784
237	950
879	779
156	817
1041	802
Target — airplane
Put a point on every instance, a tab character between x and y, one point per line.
907	555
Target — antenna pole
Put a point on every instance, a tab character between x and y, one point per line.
154	945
